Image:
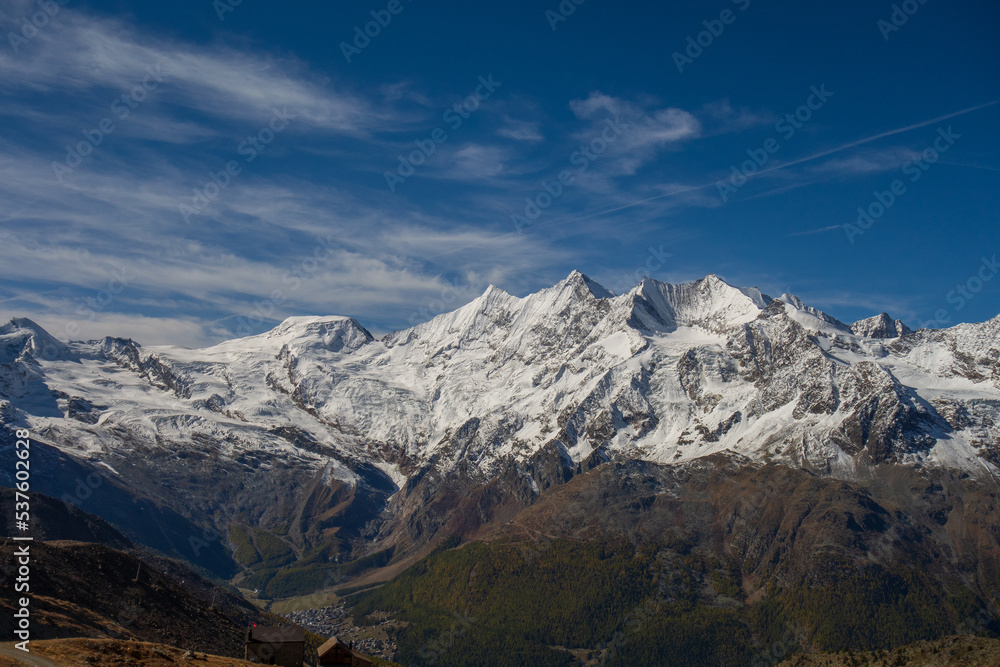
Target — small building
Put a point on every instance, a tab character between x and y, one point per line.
285	645
336	652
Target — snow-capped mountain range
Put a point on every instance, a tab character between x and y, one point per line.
662	373
321	434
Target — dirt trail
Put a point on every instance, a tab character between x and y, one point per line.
7	649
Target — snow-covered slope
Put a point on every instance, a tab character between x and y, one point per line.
664	373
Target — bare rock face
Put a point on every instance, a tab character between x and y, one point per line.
880	326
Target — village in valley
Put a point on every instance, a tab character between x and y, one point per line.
334	621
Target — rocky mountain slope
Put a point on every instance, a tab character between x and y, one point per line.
340	446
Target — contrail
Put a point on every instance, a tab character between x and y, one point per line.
693	188
815	156
876	137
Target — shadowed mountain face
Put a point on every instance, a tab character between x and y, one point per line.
55	520
296	451
90	590
89	580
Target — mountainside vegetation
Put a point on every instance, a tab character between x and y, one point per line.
624	604
727	564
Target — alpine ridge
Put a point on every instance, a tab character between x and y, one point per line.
327	435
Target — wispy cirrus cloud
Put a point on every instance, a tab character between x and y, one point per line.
725	118
476	162
520	130
117	215
648	128
855	165
81	53
320	183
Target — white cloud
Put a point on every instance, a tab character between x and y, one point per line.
727	118
61	246
520	130
474	162
655	126
647	131
78	53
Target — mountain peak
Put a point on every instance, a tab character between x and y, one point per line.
30	336
709	302
493	292
880	326
718	285
21	323
714	279
579	280
333	332
809	317
305	324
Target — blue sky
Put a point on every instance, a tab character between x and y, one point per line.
187	172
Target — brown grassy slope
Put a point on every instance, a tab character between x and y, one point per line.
83	589
965	651
118	653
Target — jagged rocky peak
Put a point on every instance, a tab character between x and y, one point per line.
21	335
496	308
581	281
492	297
709	302
651	305
124	351
880	326
493	292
